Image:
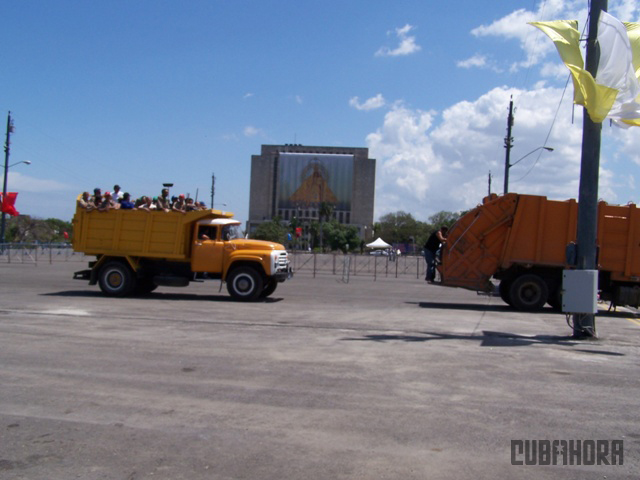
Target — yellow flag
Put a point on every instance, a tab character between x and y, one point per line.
615	93
566	37
633	30
597	99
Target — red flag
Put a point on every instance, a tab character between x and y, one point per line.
8	204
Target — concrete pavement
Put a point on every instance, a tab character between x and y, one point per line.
326	380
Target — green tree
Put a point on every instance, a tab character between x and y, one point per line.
324	213
443	219
399	227
341	237
26	229
272	231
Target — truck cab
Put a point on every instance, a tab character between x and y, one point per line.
220	251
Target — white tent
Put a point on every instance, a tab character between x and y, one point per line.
379	243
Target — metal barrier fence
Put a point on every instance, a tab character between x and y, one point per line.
39	253
348	265
314	264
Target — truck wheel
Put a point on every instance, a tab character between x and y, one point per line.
528	292
555	299
503	288
269	288
116	279
245	283
145	286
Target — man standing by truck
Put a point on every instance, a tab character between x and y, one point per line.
431	248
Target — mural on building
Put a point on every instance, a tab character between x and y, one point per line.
306	180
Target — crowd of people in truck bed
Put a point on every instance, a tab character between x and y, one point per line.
122	200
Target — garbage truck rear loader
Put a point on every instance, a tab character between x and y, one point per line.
522	242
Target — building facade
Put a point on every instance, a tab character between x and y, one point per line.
293	181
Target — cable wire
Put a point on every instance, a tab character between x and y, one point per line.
555	117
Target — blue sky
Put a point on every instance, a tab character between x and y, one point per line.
146	92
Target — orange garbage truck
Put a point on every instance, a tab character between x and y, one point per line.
524	242
137	251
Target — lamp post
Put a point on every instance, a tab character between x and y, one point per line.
7	144
508	165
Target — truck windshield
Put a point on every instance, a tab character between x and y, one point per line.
229	232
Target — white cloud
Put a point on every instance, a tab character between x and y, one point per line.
251	131
555	70
407	44
405	157
248	95
478	61
19	182
514	27
428	162
371	104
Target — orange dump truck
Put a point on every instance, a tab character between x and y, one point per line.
521	240
137	250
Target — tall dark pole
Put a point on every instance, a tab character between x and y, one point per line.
508	143
584	325
213	188
6	170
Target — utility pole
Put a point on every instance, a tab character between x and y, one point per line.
584	325
6	171
213	188
489	182
508	143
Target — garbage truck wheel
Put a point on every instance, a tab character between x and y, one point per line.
528	292
503	288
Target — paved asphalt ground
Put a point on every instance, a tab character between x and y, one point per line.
392	379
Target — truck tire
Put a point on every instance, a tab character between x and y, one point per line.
269	288
245	284
555	299
144	286
116	279
504	288
528	292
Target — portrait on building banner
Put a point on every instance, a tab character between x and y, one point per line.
306	180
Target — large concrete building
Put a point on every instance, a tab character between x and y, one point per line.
293	180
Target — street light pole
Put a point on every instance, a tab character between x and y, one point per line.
508	143
509	165
6	170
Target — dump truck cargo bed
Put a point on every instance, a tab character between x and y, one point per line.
138	233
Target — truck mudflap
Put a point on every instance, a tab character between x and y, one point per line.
82	275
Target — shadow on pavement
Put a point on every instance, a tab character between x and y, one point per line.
486	339
478	307
157	296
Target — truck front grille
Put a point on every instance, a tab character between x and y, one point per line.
282	262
